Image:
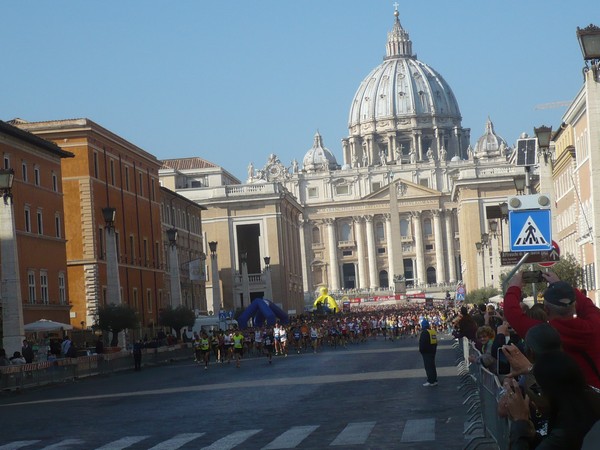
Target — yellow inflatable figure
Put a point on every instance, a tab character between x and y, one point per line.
326	302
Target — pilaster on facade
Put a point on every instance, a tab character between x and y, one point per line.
333	260
418	234
439	247
88	230
371	252
450	246
361	281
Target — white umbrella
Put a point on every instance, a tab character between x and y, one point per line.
46	325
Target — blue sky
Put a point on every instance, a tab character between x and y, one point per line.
233	81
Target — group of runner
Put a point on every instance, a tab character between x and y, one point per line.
309	333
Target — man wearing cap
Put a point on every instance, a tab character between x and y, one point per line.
580	335
427	348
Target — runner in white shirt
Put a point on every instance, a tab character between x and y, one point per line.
283	340
277	335
258	340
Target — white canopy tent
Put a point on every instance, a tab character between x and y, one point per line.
46	325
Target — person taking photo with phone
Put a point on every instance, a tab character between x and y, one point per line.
580	334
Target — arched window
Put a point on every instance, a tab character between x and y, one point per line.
431	277
346	234
404	227
427	230
383	279
379	231
316	235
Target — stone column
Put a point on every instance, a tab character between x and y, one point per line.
439	247
216	285
420	274
268	287
450	244
419	147
334	278
360	251
12	302
371	253
456	147
245	285
113	285
175	276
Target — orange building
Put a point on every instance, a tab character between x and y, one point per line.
37	196
108	171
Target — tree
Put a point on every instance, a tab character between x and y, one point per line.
177	318
569	270
116	318
481	295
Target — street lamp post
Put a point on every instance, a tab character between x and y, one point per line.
214	269
589	41
12	302
174	271
481	247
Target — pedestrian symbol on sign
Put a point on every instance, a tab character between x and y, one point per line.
530	235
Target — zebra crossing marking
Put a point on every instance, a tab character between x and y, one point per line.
231	440
291	438
65	443
122	443
354	433
418	430
177	441
18	444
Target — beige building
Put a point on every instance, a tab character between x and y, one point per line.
248	223
407	206
576	177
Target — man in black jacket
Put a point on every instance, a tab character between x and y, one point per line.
427	348
27	352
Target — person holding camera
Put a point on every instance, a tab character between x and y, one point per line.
580	334
573	406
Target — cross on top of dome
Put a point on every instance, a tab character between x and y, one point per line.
399	43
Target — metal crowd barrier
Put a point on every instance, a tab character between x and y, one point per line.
481	390
48	372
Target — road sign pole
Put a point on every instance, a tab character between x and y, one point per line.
513	271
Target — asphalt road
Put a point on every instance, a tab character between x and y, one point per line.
365	396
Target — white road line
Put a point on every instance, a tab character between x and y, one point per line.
18	444
177	441
231	440
291	438
122	443
66	443
354	433
418	430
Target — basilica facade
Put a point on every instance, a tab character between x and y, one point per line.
410	203
408	188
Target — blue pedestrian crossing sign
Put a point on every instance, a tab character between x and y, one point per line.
530	230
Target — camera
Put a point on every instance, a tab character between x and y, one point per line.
533	276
